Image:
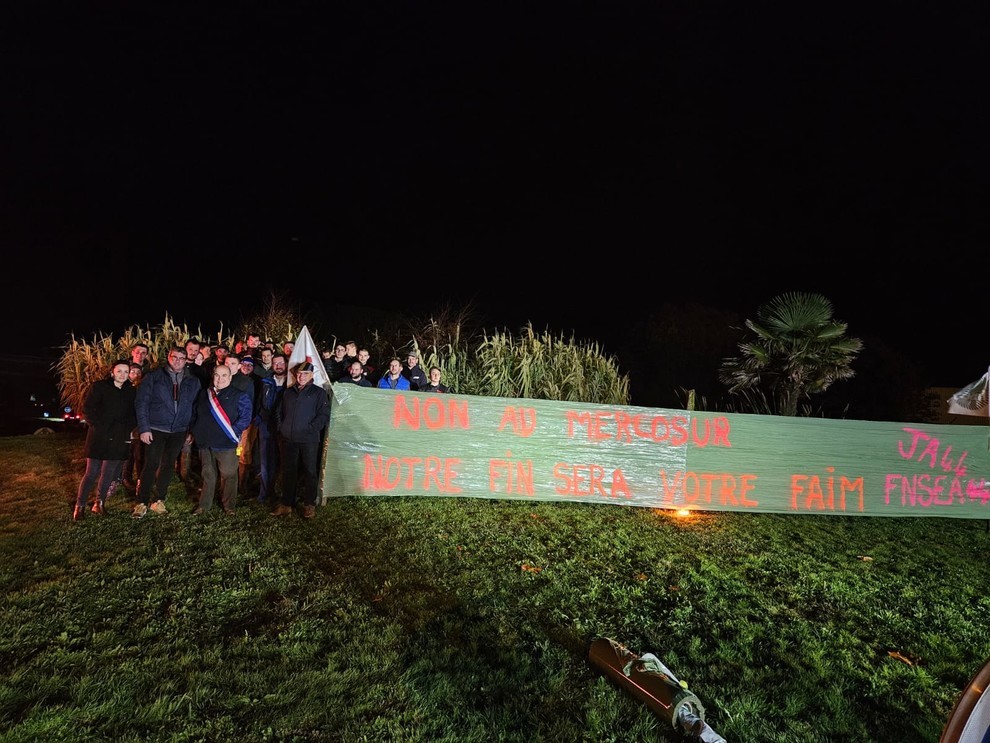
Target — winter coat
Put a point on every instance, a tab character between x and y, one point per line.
303	413
207	431
385	383
416	376
271	396
109	411
160	407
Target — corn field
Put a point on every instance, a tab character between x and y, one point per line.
497	364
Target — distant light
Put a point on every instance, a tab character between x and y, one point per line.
683	512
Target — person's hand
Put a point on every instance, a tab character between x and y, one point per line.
146	437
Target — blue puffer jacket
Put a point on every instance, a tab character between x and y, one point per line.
162	406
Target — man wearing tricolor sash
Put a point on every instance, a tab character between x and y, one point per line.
220	415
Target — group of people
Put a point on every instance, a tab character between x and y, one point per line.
235	413
349	364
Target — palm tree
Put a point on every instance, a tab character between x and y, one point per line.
797	349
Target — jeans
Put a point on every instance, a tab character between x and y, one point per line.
106	472
268	447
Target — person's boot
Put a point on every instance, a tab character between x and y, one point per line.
79	513
97	507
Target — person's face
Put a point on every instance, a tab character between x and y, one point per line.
192	350
278	364
395	367
254	341
363	356
177	360
221	354
134	374
139	354
287	348
221	377
351	349
266	355
434	376
412	361
356	370
247	369
304	377
340	351
121	372
232	363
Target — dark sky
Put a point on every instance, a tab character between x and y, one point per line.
577	165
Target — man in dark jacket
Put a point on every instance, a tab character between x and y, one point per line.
355	375
268	443
303	413
164	408
109	412
220	416
414	372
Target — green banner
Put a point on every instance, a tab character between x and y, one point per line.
384	442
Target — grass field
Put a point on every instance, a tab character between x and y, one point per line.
417	619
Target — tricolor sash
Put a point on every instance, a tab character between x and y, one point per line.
221	417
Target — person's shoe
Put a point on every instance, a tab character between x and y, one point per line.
159	507
282	510
79	513
309	512
139	511
229	511
97	508
198	511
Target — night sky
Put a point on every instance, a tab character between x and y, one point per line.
575	165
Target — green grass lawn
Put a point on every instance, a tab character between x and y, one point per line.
419	619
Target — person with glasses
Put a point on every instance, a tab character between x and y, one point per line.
164	408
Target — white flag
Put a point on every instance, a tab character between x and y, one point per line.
971	399
305	350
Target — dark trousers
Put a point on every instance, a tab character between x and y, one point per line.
300	460
270	457
134	463
159	464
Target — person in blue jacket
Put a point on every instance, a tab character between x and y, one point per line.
393	379
164	407
221	414
303	414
